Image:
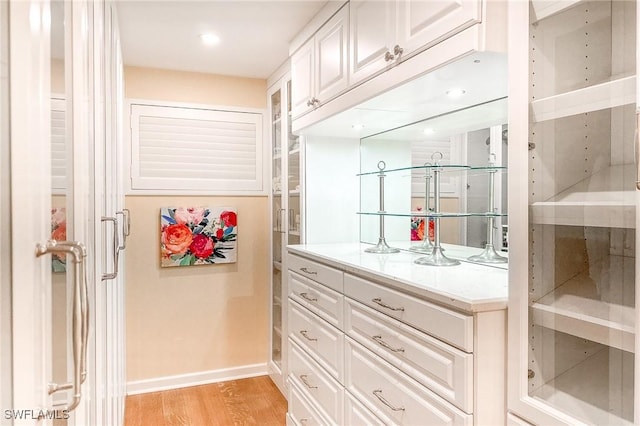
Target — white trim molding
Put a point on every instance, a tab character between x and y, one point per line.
195	379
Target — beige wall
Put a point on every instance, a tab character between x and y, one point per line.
201	318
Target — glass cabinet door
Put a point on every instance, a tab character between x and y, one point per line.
278	227
582	211
293	178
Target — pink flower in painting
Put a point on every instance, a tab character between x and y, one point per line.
193	215
229	218
202	246
176	239
58	216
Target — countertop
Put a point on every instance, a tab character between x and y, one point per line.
468	287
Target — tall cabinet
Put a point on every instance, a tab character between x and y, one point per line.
286	217
573	355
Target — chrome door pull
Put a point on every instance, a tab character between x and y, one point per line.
378	301
305	334
308	271
80	319
126	227
305	380
378	394
116	247
378	339
306	296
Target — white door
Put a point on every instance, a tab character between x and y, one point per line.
302	77
331	45
372	37
423	23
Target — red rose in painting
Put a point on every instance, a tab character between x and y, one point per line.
176	239
219	233
229	218
60	233
201	246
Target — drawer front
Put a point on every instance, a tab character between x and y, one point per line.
447	325
393	396
356	414
442	368
319	387
315	271
323	342
320	300
301	411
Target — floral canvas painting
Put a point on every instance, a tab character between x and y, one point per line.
58	233
198	235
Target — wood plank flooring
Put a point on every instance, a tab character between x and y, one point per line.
254	401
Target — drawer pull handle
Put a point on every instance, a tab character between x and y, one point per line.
305	296
378	394
384	344
304	378
307	271
305	334
379	301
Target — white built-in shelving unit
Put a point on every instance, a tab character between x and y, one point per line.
573	260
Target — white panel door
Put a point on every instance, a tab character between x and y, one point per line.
372	36
302	79
331	45
423	23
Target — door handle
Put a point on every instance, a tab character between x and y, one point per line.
80	319
115	248
126	227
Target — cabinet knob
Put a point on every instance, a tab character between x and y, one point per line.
310	102
315	101
389	56
397	50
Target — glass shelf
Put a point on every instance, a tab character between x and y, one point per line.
433	215
443	168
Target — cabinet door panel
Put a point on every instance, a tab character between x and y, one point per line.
302	77
372	34
331	46
423	23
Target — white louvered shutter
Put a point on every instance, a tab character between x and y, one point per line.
175	148
58	146
421	153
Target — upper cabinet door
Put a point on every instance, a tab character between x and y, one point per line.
423	23
331	45
372	36
302	78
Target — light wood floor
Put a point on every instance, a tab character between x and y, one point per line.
254	401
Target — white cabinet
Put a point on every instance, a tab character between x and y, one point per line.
383	33
286	217
388	357
573	268
319	67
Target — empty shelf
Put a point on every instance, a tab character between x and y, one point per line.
595	201
596	305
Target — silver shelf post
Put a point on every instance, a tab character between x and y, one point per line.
426	246
436	258
489	254
382	246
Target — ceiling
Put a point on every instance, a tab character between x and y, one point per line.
254	35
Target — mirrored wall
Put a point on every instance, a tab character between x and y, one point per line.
468	148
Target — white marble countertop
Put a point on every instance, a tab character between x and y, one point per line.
469	287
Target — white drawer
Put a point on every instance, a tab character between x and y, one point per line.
356	414
315	271
452	327
300	410
319	299
442	368
321	340
325	393
393	396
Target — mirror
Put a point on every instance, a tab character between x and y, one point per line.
469	137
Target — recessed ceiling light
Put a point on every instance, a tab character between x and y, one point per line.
209	39
454	93
428	131
357	126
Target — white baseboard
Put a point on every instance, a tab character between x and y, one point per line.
195	379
